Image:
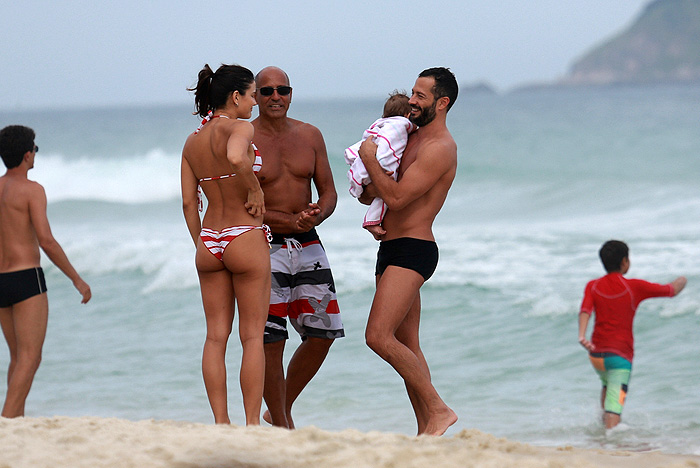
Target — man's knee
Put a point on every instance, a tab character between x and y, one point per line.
30	360
319	344
36	362
376	341
274	350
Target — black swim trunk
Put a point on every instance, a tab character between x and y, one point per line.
16	286
418	255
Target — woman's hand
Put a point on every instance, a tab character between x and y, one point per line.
256	202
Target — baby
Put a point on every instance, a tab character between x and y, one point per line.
391	135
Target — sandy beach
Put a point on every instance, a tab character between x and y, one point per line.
105	442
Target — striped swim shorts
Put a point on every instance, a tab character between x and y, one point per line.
302	289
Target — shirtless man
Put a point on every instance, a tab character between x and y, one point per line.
294	155
24	227
408	254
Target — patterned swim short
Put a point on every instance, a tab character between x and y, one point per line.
614	372
302	289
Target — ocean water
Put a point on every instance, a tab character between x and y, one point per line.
544	178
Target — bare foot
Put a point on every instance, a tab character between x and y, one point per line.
268	419
438	423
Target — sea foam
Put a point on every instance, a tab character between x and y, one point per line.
151	177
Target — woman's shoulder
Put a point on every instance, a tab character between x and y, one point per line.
237	127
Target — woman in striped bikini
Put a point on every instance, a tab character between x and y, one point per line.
232	258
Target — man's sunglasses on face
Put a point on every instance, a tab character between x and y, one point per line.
269	90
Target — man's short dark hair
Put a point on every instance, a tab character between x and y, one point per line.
15	140
445	83
612	253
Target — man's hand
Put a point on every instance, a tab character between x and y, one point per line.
370	192
84	290
368	149
309	218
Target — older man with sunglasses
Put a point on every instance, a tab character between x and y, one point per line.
303	291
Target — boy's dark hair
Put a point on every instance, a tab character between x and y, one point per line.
445	83
396	105
612	253
15	140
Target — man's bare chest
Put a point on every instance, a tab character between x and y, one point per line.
283	163
409	156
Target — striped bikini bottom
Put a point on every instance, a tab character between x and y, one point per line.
217	241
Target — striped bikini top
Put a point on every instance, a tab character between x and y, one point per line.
257	163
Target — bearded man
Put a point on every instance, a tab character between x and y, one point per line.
408	254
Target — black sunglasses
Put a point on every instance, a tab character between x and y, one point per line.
281	90
36	149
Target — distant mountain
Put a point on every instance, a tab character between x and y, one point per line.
480	87
662	46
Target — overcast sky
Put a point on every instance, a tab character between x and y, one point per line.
92	53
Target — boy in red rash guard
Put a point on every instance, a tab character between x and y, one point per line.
614	299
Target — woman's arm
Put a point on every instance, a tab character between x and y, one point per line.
190	200
237	154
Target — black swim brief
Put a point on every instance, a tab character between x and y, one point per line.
16	286
418	255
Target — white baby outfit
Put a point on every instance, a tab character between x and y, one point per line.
391	137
